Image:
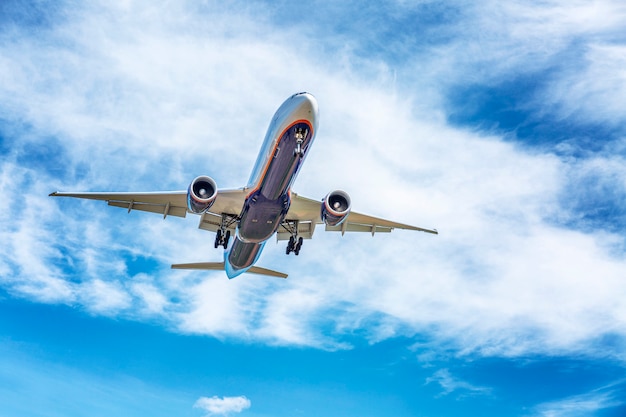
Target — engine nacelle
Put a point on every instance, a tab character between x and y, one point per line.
201	194
335	207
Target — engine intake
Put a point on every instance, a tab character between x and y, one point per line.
201	194
335	207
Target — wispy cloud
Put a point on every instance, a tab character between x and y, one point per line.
451	384
223	405
99	104
583	405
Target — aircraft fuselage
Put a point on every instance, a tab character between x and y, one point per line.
288	139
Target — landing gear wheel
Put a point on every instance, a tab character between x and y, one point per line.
291	245
226	239
298	247
222	237
295	242
218	238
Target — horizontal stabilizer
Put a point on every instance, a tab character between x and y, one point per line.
219	266
212	266
264	271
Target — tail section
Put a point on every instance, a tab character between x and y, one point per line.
219	266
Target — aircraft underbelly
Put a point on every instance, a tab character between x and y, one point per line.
284	163
261	218
243	255
265	208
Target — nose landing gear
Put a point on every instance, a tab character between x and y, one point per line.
300	134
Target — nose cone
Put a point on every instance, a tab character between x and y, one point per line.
305	102
301	106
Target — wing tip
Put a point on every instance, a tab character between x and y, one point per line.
422	229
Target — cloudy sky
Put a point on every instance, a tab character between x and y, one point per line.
502	124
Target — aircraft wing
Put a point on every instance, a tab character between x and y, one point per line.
169	203
307	212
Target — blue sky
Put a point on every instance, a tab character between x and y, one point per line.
499	123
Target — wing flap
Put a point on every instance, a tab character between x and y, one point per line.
353	227
362	219
164	209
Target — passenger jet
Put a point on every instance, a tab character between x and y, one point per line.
266	206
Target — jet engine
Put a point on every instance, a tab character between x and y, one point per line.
201	194
335	207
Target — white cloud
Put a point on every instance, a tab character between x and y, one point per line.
146	99
152	297
26	237
104	297
450	384
223	405
583	405
594	89
572	49
219	308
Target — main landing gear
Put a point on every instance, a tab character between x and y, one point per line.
223	234
221	238
295	243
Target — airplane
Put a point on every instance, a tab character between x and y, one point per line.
266	206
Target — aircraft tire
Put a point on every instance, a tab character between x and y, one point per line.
218	237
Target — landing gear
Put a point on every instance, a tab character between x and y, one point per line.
221	238
300	135
223	234
295	243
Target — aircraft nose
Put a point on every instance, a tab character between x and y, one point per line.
307	102
303	93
